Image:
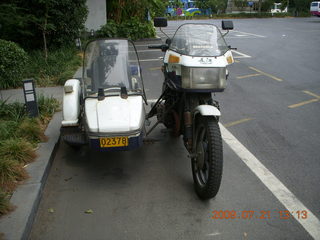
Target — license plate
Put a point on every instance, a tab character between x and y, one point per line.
114	142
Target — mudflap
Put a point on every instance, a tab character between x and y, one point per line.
73	136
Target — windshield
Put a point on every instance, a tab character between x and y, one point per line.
199	40
111	64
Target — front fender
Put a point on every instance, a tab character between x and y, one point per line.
207	110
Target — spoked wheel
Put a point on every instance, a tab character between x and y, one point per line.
207	164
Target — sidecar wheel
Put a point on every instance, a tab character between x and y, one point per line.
207	165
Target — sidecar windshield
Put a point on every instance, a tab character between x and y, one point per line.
199	40
111	64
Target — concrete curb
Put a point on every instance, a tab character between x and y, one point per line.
17	225
157	38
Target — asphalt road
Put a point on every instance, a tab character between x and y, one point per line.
271	106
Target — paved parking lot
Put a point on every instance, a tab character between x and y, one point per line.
270	125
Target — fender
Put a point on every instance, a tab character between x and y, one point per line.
207	110
71	103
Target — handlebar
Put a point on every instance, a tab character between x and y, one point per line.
231	48
155	46
163	48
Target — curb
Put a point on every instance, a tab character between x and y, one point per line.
157	38
26	198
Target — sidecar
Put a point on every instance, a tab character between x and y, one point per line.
105	108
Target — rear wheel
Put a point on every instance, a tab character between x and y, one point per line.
207	164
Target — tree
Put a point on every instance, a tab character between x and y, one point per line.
42	23
300	5
216	6
122	10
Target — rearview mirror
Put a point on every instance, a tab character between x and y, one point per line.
160	22
227	25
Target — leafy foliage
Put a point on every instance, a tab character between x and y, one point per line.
47	106
17	149
132	29
13	61
60	66
18	138
12	112
216	6
122	10
38	22
298	5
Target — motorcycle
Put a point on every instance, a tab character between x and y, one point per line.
194	67
105	108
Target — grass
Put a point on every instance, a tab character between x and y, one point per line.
19	135
5	206
18	149
60	66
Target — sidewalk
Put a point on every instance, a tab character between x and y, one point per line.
16	95
26	198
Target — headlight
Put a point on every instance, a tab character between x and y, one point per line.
204	78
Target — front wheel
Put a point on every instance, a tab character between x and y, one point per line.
207	163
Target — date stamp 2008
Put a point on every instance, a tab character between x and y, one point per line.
261	214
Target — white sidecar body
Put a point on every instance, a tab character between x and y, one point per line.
105	108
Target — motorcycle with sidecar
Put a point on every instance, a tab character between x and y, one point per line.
105	108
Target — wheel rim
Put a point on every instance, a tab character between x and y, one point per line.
202	158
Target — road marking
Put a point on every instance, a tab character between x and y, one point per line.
256	35
303	103
266	74
155	68
214	234
242	55
316	99
279	190
151	60
237	122
311	94
250	75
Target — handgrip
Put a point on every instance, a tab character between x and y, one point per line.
155	46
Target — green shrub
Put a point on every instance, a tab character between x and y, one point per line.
59	67
4	205
10	173
17	149
32	130
13	61
7	129
13	111
132	29
47	106
108	30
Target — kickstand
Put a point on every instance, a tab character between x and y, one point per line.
153	127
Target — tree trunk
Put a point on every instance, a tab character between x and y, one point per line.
260	3
44	35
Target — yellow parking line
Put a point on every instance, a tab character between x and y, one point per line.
303	103
311	94
155	68
236	61
250	75
237	122
266	74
